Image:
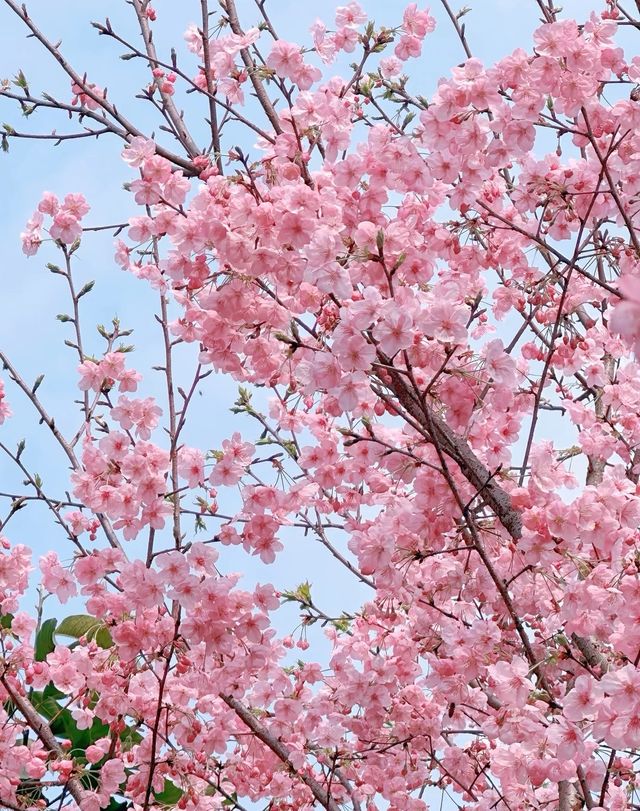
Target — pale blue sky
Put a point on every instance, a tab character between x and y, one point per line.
31	296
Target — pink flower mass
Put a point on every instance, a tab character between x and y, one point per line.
408	575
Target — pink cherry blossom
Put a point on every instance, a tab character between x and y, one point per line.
285	59
418	300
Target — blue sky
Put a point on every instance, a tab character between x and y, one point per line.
32	297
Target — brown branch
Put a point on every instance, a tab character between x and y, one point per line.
213	114
229	7
478	545
182	133
171	402
54	136
281	751
459	28
53	104
99	98
586	793
592	655
568	798
548	14
459	451
44	415
43	731
156	724
265	17
603	160
548	248
159	63
54	506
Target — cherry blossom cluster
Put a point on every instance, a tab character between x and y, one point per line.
416	297
106	372
126	480
66	221
84	95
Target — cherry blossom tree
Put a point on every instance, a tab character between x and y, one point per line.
406	288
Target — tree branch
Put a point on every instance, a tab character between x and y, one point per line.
279	749
125	124
43	731
229	7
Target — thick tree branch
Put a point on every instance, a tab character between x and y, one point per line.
459	451
43	731
279	749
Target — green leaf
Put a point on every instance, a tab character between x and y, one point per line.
303	592
342	624
44	640
103	638
6	620
61	721
86	289
78	625
170	795
407	120
51	691
20	80
45	703
130	737
116	805
290	448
